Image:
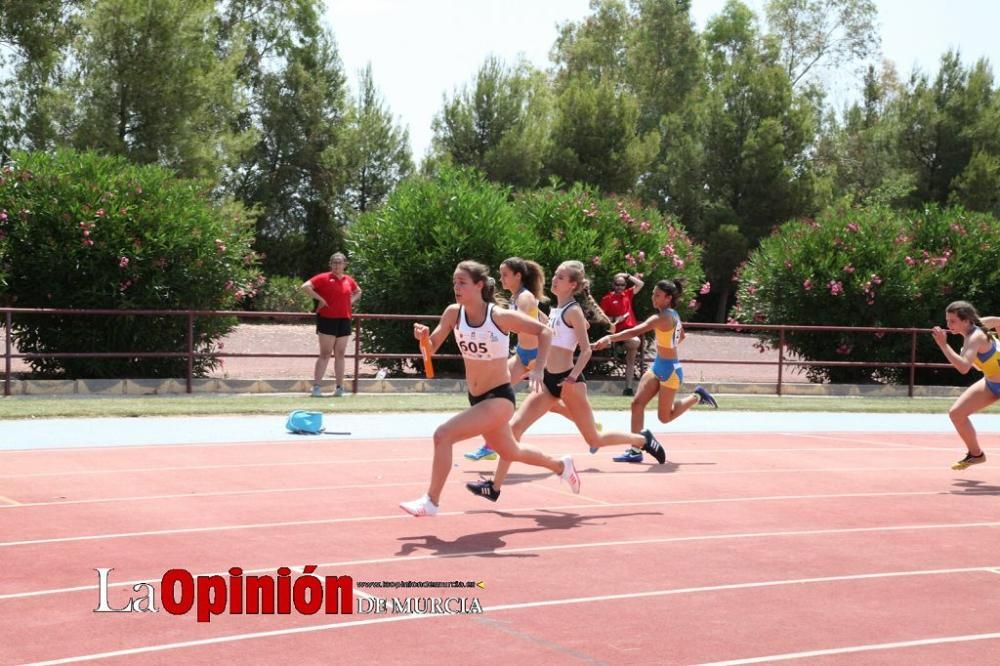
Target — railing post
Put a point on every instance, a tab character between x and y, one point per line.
9	319
781	357
190	349
357	351
913	361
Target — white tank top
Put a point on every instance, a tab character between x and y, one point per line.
485	342
563	335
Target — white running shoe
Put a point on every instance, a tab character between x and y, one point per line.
570	476
421	507
317	391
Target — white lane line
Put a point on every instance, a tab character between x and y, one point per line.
520	606
401	516
311	442
852	649
220	493
894	445
300	463
560	547
202	467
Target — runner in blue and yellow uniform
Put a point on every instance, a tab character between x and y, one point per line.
664	379
980	350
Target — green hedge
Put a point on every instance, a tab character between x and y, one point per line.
404	253
871	267
82	230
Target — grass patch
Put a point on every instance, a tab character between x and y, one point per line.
43	407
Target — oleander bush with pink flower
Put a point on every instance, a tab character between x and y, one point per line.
871	267
81	230
611	235
404	252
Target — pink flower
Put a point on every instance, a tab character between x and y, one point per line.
876	279
836	288
678	262
123	262
693	304
844	349
3	216
705	288
807	284
596	261
751	290
641	255
644	226
630	259
100	212
853	227
909	260
849	269
788	264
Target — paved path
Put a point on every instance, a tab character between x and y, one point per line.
77	433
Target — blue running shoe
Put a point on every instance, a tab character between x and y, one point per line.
630	456
599	427
482	453
705	398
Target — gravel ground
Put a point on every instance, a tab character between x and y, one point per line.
301	339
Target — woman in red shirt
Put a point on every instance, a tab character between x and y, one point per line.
336	292
617	304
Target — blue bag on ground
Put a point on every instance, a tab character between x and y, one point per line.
302	422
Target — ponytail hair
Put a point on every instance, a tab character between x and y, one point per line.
595	313
965	311
673	288
532	276
592	311
480	273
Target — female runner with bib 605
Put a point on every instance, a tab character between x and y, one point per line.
482	331
563	379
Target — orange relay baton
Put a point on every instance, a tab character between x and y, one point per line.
425	348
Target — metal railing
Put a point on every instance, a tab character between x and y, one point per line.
190	354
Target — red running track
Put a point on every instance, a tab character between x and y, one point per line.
748	548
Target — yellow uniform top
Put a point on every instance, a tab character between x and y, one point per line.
670	338
989	361
533	312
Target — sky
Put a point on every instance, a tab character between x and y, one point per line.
422	50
